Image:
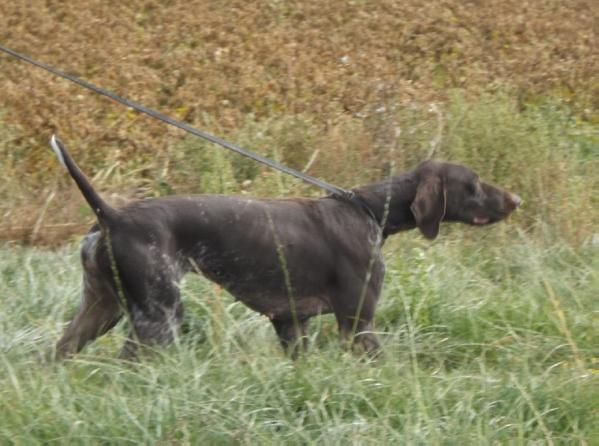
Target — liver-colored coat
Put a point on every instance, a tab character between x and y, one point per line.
289	259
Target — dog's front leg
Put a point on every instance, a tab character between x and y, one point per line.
293	335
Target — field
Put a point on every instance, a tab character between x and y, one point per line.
490	335
488	339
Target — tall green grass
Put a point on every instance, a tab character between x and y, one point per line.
488	337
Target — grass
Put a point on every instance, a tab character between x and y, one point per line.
489	338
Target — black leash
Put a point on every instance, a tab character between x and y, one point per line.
335	190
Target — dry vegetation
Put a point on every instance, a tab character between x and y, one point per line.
285	78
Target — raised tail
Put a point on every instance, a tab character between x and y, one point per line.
103	211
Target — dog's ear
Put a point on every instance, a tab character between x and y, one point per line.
429	204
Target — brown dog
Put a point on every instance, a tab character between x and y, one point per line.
289	259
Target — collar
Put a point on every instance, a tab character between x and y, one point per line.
356	199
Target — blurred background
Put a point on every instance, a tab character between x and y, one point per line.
340	89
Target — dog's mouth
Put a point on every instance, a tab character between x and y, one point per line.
480	220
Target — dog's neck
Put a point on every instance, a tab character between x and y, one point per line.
399	193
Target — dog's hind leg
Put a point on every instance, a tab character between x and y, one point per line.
154	303
152	327
147	277
362	338
98	313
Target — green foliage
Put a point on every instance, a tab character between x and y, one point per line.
542	151
202	167
487	339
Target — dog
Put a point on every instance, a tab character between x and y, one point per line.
288	259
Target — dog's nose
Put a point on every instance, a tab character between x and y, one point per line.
515	200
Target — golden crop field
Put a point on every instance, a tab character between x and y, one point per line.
293	80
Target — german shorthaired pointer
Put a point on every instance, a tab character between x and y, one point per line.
289	259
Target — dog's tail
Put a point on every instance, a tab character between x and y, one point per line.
103	211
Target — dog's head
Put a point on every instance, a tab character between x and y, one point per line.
450	192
